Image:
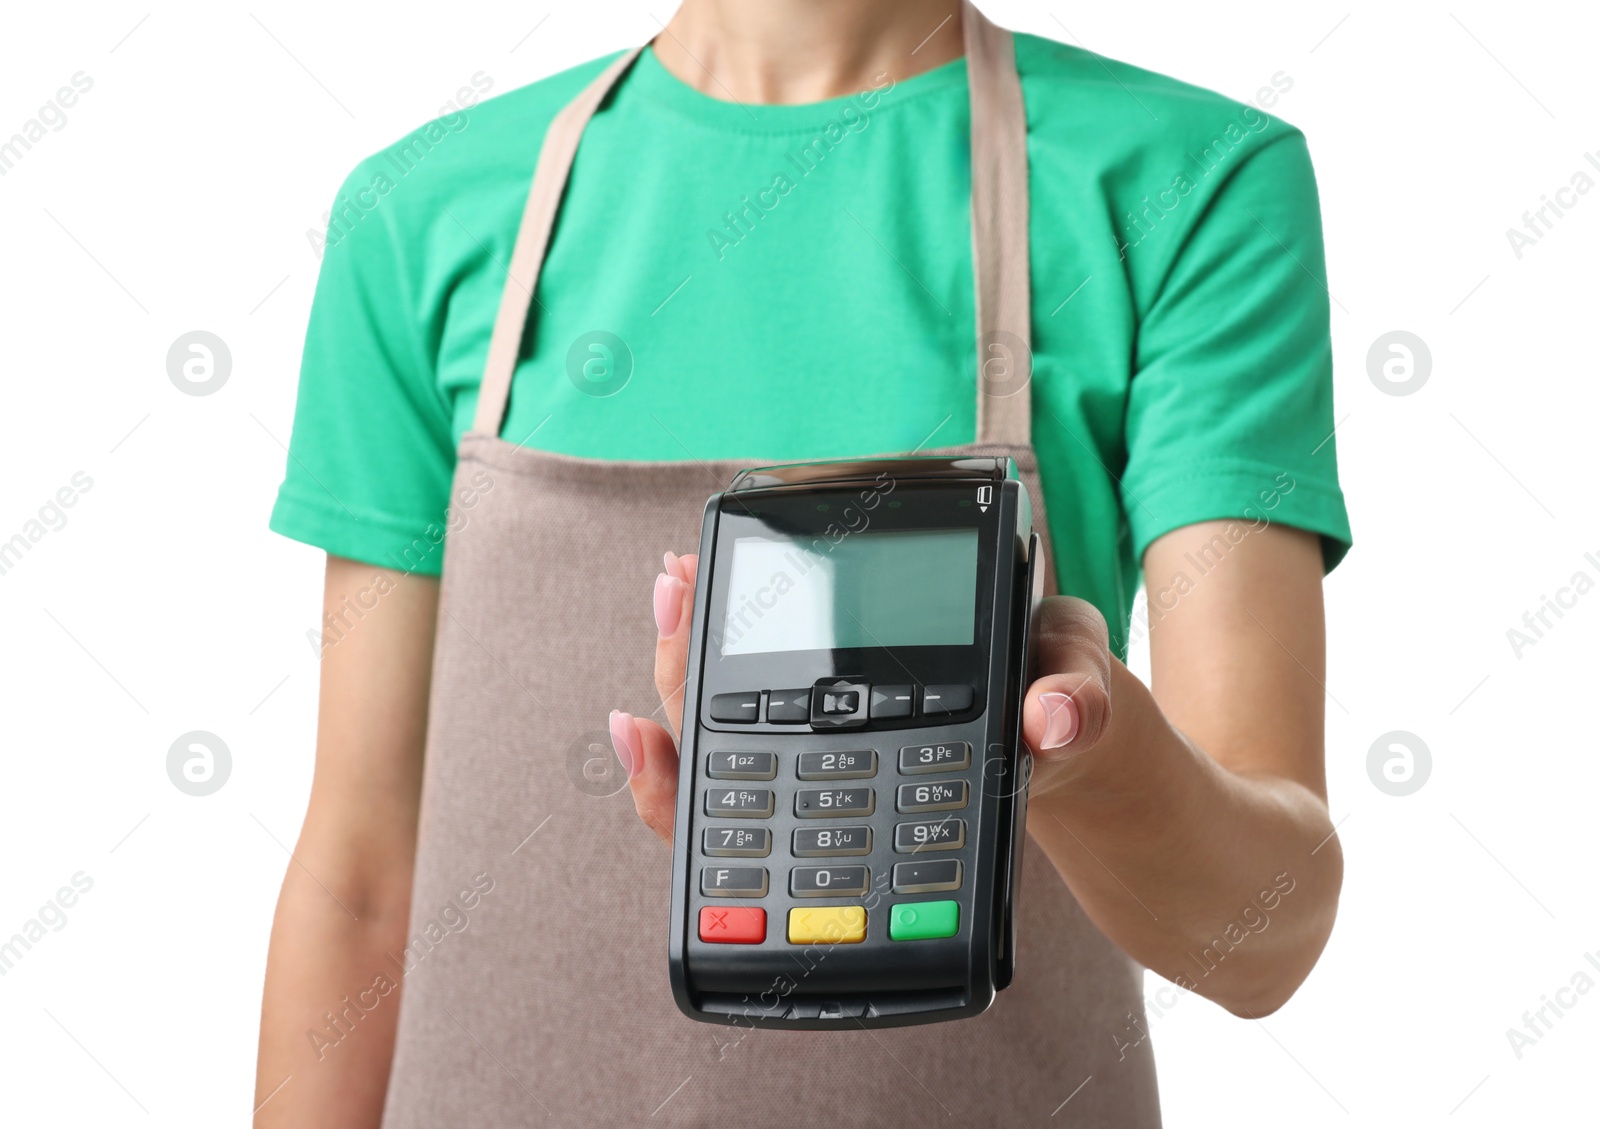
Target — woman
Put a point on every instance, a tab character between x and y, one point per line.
784	232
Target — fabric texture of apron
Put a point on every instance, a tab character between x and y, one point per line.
535	987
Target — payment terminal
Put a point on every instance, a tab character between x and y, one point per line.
853	787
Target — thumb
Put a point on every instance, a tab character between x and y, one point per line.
651	761
1068	707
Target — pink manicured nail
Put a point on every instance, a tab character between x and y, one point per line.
668	604
625	742
670	560
1060	720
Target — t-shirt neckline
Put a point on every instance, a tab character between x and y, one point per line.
659	87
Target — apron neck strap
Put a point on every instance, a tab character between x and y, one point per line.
1000	252
1000	255
533	238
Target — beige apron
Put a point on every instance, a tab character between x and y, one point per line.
535	988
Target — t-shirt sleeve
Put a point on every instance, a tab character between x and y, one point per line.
371	453
1230	410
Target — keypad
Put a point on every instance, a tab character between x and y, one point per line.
829	881
837	766
740	803
930	835
824	842
934	795
830	803
829	859
730	765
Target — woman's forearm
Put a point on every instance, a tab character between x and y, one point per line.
1226	884
332	998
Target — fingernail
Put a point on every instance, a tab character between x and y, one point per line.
625	742
670	560
1060	720
668	604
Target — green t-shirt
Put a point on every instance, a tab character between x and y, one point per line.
795	282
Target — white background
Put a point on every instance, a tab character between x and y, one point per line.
178	196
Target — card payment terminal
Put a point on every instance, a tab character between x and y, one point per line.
852	786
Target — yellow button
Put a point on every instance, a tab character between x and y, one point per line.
841	925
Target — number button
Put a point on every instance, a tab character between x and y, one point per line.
945	757
829	881
736	842
815	842
837	766
740	803
741	766
933	835
828	803
940	795
734	881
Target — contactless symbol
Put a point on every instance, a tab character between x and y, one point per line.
1399	763
1006	776
198	363
593	767
1005	363
199	763
1399	363
599	363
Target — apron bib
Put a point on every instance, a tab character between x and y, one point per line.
535	981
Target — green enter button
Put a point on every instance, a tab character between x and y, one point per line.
920	921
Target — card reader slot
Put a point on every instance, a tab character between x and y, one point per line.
837	1010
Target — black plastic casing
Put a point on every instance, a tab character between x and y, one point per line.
877	982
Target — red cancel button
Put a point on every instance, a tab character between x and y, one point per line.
733	925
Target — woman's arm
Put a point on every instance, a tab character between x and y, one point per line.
1190	820
347	894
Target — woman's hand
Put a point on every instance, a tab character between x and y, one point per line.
649	754
1067	711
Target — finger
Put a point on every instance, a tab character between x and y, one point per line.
650	759
1068	707
673	605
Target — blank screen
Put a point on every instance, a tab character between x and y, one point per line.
904	588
